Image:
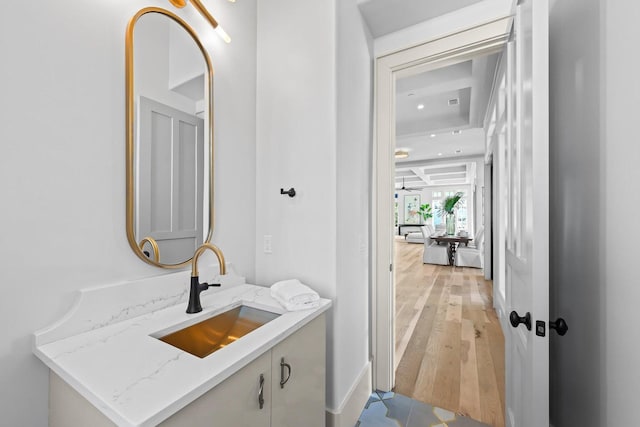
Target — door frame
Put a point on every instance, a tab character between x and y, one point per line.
483	39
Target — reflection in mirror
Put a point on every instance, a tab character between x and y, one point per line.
154	246
169	142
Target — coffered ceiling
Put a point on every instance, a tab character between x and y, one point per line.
439	122
440	113
415	177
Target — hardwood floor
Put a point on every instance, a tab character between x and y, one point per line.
449	344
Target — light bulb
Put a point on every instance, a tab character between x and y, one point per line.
223	34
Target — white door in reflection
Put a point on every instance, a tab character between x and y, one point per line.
170	172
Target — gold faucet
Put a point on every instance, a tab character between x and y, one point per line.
154	246
199	251
194	305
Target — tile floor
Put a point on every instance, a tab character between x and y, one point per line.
395	410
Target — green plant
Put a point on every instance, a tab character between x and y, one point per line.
425	211
450	204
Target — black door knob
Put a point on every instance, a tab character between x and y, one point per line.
516	319
560	326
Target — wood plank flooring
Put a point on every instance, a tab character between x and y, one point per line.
449	344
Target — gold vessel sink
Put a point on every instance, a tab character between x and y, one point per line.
218	331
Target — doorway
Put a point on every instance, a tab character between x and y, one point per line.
488	38
451	50
449	345
520	149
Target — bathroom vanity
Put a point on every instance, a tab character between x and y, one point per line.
282	387
112	368
128	354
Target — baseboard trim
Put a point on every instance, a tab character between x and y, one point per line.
500	308
349	411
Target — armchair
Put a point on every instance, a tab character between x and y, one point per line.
472	256
433	252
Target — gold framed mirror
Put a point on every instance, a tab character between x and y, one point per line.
169	139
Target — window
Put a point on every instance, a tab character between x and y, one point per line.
438	221
463	220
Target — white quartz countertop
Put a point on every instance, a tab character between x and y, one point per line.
138	380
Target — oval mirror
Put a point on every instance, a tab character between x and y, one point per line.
169	139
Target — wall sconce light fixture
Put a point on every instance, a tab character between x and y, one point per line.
205	13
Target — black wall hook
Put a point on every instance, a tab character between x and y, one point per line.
291	192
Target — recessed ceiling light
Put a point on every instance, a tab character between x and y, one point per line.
439	154
401	154
420	106
456	132
458	151
433	135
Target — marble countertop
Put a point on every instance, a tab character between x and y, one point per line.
137	380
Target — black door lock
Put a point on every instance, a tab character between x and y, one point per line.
541	328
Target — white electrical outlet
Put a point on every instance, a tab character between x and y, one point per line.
267	244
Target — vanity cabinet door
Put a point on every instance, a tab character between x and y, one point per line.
299	363
232	403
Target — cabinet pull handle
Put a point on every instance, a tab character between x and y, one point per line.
283	365
261	392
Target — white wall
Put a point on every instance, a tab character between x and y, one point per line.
153	35
313	119
355	101
296	142
62	170
186	60
576	265
594	66
296	147
619	201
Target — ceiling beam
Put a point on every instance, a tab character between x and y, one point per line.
421	175
444	169
437	88
463	176
447	161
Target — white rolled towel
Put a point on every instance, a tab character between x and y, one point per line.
294	295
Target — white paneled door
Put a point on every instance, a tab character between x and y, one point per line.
170	175
526	208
